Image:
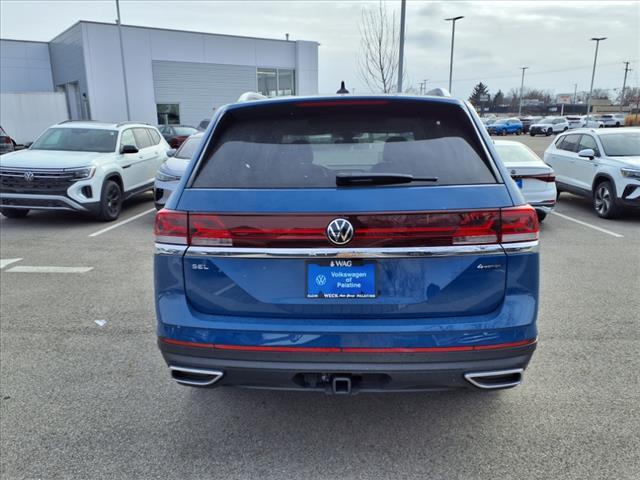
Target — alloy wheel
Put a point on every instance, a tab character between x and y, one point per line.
602	200
113	200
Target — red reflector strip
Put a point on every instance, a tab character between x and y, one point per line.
264	348
547	177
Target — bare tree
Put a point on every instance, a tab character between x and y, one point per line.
378	57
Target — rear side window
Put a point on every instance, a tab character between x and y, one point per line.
142	137
306	145
569	143
188	147
155	136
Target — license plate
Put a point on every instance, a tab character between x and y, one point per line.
341	279
519	182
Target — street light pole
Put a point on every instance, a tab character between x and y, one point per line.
453	36
403	7
593	75
124	71
624	83
521	91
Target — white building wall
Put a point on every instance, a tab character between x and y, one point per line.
24	116
143	46
25	66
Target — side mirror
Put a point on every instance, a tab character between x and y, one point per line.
128	149
171	152
587	153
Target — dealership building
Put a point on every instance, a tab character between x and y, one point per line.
168	76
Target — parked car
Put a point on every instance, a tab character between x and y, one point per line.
504	126
582	121
170	172
612	119
601	164
6	142
535	178
549	125
527	122
347	244
87	167
176	134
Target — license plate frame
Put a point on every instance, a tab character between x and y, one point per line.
353	272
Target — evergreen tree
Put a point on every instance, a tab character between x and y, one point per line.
479	90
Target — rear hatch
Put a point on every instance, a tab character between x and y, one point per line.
344	209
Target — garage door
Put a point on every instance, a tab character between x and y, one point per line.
198	88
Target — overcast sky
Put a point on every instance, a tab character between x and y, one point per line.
492	41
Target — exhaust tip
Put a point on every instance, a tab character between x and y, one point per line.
195	377
495	379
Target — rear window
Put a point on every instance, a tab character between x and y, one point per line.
306	145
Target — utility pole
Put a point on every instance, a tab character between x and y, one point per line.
593	75
124	71
403	7
453	21
624	83
521	91
575	93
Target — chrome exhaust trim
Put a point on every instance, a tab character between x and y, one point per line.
195	377
495	379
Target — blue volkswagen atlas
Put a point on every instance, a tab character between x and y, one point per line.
347	244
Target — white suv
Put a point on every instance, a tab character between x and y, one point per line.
601	164
612	119
548	125
83	166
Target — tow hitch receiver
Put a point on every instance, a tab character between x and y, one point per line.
341	385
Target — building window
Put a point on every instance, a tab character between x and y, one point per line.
274	82
168	113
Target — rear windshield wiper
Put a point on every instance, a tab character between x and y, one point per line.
355	179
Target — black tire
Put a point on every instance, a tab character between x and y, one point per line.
110	202
548	132
617	124
541	215
604	200
518	132
14	212
532	134
565	129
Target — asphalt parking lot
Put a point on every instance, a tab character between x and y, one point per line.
85	392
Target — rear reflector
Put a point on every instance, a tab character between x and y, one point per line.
426	229
294	349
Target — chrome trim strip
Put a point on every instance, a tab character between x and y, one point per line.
169	249
521	247
390	252
475	378
214	375
29	196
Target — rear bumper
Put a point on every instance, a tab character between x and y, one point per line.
363	372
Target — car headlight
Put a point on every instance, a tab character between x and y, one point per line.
166	175
82	173
630	173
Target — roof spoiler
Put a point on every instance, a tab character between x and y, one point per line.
438	92
251	96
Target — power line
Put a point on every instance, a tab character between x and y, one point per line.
538	72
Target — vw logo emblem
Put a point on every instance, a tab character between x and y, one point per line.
28	176
340	231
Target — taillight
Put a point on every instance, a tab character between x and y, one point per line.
519	224
545	177
5	140
370	230
172	227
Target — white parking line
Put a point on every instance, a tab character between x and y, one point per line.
47	269
603	230
8	261
119	224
